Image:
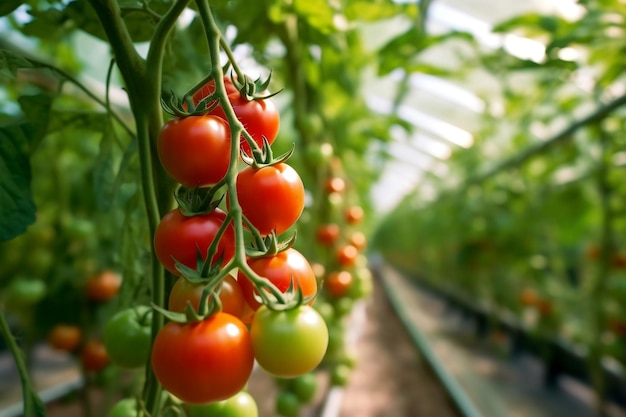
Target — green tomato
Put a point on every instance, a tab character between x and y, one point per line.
305	387
287	405
363	284
126	407
288	343
340	375
241	404
25	292
127	337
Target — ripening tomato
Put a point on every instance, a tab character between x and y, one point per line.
289	343
259	117
358	240
338	283
103	286
230	295
195	150
272	197
65	337
205	361
280	270
180	237
346	255
335	185
354	214
327	234
94	356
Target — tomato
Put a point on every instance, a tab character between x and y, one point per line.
335	185
180	237
289	343
241	404
24	292
259	117
362	282
358	240
126	407
272	197
354	214
529	297
338	283
65	337
127	337
346	255
205	361
103	286
94	356
287	404
195	150
280	270
305	387
340	375
230	295
327	234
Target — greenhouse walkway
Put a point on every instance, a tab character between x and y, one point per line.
483	382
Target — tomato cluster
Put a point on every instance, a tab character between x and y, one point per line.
236	299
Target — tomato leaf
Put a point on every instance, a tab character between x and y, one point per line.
17	209
318	13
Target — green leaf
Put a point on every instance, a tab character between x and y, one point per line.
317	13
17	209
373	11
36	109
8	6
11	63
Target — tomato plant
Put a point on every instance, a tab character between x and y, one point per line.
230	295
94	356
289	343
127	337
204	361
103	286
195	150
271	197
281	270
241	404
65	337
259	115
179	237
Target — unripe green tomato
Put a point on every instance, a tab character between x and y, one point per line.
343	306
126	407
319	153
25	292
127	337
363	284
340	375
241	404
287	404
305	387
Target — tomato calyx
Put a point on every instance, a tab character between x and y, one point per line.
209	305
248	88
185	107
268	245
198	200
263	157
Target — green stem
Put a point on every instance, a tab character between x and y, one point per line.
32	403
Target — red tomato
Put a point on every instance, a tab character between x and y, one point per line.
103	286
338	283
354	214
180	237
205	361
327	234
280	270
230	295
272	197
346	255
195	150
65	337
259	117
94	356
